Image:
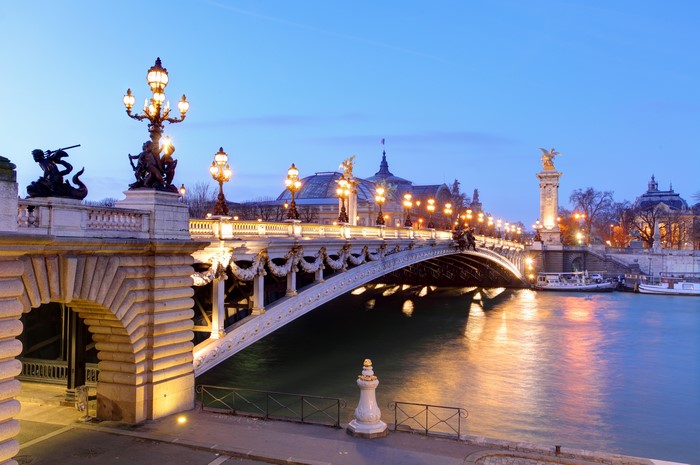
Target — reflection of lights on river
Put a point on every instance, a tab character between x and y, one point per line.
369	305
423	292
528	308
407	308
475	323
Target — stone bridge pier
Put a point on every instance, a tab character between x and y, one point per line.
126	272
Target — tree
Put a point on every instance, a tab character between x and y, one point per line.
106	202
200	199
459	200
617	228
309	214
592	204
642	222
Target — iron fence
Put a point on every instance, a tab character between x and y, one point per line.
299	408
53	371
437	420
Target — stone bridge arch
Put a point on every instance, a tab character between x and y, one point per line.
215	350
136	300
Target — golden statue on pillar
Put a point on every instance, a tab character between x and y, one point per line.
347	167
548	159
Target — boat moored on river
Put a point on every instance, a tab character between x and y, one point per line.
671	288
578	281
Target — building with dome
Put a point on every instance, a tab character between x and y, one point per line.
663	219
654	198
318	194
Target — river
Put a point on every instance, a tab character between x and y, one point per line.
615	372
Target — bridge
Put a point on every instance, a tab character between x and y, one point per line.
133	273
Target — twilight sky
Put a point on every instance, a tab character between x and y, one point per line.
464	89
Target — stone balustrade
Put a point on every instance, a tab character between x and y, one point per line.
225	228
69	217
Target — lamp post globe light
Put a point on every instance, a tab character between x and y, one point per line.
448	215
221	172
293	185
480	220
499	224
380	199
431	210
343	192
407	204
469	218
157	111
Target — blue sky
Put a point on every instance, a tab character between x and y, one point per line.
459	89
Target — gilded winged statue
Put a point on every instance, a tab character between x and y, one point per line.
548	158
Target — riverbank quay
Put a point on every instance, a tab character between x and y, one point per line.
55	434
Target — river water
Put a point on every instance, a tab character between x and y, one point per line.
615	372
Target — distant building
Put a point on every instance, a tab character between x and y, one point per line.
654	198
664	219
318	194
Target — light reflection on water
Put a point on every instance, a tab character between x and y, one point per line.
615	372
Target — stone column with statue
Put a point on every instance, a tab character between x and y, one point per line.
549	199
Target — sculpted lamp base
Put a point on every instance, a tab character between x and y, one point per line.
371	431
367	422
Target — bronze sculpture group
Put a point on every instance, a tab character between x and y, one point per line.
152	170
51	183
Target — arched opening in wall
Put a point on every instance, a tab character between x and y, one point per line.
577	264
57	348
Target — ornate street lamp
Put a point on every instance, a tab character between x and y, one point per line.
498	225
431	210
469	218
537	226
221	173
156	112
343	192
380	199
407	204
448	214
507	230
490	226
293	185
152	170
480	219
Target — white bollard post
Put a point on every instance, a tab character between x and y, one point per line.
367	422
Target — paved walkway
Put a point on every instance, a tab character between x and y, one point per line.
53	434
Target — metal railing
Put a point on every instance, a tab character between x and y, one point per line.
53	371
271	405
436	420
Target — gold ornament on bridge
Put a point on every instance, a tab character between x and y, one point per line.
548	159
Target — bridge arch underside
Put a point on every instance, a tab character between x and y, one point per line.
463	269
481	268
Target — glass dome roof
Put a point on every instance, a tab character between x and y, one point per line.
323	186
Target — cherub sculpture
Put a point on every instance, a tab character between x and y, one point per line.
548	158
